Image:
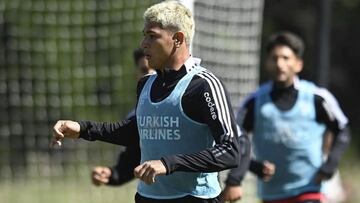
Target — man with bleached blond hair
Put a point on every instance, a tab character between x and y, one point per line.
184	121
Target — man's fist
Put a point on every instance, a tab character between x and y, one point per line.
231	193
100	175
148	170
64	128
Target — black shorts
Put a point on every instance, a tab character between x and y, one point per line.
186	199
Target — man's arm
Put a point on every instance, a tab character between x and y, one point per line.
111	132
123	133
115	133
245	119
233	189
329	113
340	143
236	175
119	174
123	171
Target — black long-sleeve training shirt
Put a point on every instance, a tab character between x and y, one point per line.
327	112
204	99
123	171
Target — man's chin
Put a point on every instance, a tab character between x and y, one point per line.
280	79
152	65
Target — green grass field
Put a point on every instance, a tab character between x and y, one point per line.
81	190
43	191
65	192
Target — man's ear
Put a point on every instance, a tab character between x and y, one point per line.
179	38
299	65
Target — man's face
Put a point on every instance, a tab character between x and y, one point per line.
158	45
283	65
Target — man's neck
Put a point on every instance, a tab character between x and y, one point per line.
284	84
281	85
177	59
179	62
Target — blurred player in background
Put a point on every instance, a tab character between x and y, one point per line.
123	171
288	118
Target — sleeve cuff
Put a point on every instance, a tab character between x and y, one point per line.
84	134
113	180
165	162
328	170
233	182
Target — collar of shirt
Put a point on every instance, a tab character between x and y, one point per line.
285	98
169	76
191	62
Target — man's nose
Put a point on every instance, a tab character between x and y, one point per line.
279	63
143	44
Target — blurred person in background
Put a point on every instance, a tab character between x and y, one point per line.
184	122
122	171
288	118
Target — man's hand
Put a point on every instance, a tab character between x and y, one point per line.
100	175
268	170
148	170
231	193
64	128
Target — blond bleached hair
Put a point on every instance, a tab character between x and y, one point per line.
173	16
